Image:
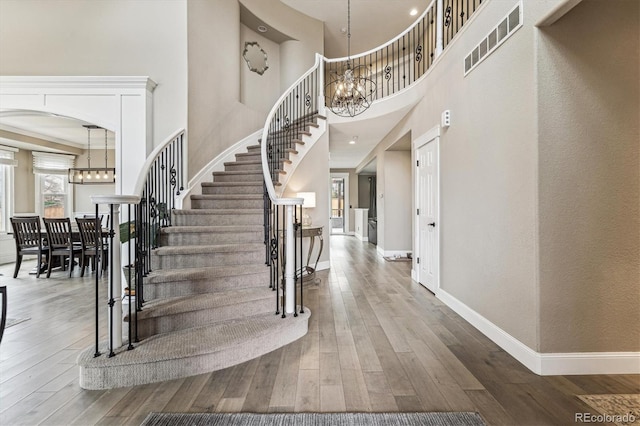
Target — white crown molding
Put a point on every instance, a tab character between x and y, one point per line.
546	364
77	82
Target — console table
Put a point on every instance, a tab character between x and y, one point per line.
312	232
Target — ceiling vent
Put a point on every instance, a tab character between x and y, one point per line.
510	24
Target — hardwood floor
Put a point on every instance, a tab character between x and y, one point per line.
377	341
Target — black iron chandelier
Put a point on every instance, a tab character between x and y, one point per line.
351	91
93	175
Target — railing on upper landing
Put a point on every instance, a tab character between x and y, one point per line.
160	183
402	61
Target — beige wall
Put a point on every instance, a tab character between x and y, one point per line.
312	175
260	92
116	37
217	118
297	55
589	176
24	181
397	202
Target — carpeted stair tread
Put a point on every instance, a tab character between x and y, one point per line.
228	197
188	212
213	184
194	341
185	229
177	305
243	163
199	249
203	273
189	352
238	172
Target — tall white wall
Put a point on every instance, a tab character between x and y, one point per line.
106	38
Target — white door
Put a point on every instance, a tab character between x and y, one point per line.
428	208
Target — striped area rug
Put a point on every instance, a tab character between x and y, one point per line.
314	419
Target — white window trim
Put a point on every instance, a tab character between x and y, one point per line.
45	163
7	159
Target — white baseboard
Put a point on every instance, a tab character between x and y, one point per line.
325	264
361	238
546	364
392	253
414	275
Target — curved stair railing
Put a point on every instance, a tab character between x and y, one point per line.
295	111
159	185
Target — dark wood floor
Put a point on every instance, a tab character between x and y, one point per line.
378	341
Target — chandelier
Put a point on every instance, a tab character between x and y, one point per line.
351	91
93	175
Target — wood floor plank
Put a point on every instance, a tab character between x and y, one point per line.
259	395
489	408
356	396
310	355
308	391
213	390
380	394
330	369
396	375
332	398
286	381
238	381
427	390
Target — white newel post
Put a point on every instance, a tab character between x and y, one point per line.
439	27
290	284
115	289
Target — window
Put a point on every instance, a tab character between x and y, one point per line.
7	163
53	193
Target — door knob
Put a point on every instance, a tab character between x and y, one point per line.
432	224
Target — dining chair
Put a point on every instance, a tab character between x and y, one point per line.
28	237
60	242
93	246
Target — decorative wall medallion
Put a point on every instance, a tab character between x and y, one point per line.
255	57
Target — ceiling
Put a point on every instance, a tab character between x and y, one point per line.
373	22
49	132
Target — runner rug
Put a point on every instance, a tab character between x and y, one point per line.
313	419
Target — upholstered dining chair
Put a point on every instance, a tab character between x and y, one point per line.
28	237
93	245
60	242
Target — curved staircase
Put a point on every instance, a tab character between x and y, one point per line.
208	303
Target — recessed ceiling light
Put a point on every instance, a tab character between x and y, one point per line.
413	12
262	29
353	140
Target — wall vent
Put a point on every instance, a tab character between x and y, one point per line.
510	24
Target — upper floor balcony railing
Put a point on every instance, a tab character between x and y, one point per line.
402	61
